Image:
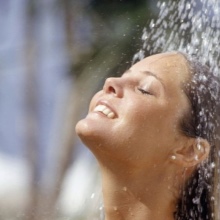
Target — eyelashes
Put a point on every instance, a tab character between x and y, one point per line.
145	92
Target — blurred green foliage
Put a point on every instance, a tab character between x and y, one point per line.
117	31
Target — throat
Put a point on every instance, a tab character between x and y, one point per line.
132	211
137	194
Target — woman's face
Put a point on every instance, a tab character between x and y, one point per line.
136	117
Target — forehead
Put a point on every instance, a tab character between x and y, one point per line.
168	66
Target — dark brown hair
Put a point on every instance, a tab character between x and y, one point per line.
199	199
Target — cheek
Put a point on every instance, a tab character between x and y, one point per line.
139	124
150	122
145	115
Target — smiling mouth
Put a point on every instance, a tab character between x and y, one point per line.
105	110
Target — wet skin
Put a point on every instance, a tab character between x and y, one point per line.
133	129
147	101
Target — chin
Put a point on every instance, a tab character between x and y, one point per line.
88	132
97	137
82	129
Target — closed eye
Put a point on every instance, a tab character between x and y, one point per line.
144	91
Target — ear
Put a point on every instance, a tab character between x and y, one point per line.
193	152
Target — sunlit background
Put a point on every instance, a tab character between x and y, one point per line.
54	55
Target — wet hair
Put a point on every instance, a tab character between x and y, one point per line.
199	197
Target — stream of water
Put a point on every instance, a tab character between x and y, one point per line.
191	27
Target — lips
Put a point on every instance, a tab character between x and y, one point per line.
104	109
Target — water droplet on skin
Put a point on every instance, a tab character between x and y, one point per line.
125	188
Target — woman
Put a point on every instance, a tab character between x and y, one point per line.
153	132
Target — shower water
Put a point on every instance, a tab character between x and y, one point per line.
193	28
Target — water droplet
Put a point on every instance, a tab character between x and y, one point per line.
163	4
125	188
212	165
152	24
188	6
93	195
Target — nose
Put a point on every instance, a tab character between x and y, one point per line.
113	86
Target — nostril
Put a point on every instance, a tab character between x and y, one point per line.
109	86
111	89
112	86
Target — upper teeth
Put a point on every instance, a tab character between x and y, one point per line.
105	110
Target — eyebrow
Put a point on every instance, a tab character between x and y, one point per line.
154	75
146	72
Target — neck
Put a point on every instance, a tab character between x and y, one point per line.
134	194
